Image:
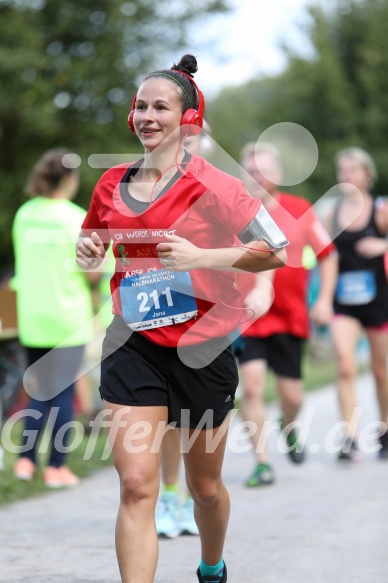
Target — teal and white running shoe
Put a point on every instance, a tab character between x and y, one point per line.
213	578
187	524
167	515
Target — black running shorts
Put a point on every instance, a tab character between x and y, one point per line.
372	315
137	372
282	352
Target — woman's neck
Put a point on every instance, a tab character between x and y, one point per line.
156	164
61	194
353	198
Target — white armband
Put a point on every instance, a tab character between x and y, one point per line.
262	226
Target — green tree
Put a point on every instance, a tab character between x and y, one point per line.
339	93
68	73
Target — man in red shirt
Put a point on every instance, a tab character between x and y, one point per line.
276	339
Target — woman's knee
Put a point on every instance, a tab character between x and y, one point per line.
136	486
205	493
347	368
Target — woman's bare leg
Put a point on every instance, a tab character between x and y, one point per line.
131	436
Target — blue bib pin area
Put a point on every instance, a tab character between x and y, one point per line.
158	298
356	288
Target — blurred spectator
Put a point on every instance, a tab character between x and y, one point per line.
54	310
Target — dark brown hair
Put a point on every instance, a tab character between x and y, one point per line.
188	93
47	173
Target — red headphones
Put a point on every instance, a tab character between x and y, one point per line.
191	118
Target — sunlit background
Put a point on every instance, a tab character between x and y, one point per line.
248	41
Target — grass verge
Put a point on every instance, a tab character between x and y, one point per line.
89	456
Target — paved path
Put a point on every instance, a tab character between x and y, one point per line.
319	523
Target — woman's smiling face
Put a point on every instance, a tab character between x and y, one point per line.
158	111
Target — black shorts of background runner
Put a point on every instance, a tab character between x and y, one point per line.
282	352
369	315
137	372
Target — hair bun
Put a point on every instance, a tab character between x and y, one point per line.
187	64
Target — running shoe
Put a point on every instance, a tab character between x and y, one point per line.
383	451
24	469
213	578
187	522
167	515
262	475
349	450
295	448
295	451
60	477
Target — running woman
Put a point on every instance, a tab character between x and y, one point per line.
172	218
361	301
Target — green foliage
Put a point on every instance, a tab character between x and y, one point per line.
339	93
68	73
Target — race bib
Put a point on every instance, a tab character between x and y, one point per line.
155	299
356	288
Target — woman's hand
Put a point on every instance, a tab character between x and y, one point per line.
178	254
90	251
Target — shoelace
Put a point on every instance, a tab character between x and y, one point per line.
167	506
187	509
